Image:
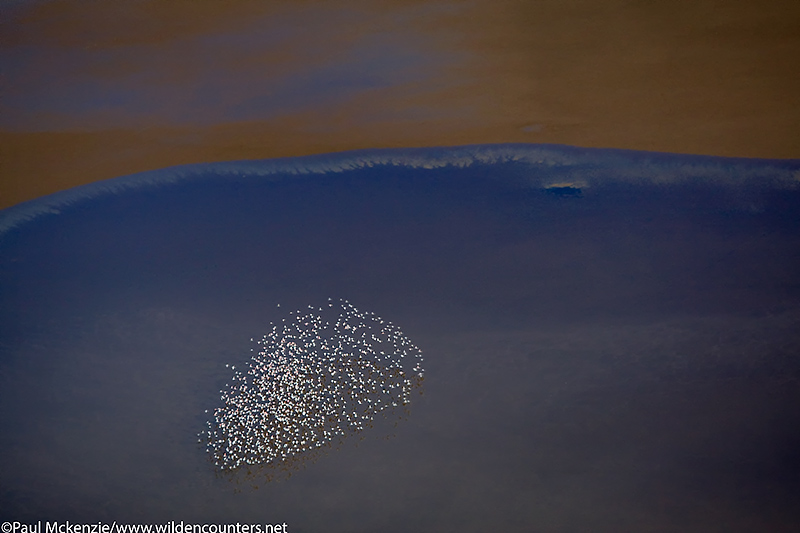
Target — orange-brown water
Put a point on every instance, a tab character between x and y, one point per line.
717	78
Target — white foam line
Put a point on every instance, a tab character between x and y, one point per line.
582	166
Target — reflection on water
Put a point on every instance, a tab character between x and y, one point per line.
320	375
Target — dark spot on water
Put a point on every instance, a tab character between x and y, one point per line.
564	192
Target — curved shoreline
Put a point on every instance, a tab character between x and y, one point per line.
582	167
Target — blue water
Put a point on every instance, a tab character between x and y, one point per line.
610	338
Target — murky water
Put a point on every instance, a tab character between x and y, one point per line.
603	358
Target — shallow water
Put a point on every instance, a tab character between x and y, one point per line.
613	355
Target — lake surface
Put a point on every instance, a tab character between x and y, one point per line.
611	340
